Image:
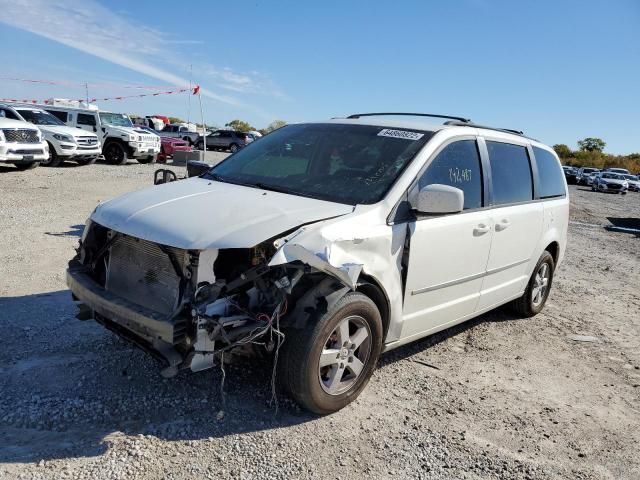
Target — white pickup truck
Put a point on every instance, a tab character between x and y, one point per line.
21	144
179	131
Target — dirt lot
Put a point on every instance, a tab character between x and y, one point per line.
498	397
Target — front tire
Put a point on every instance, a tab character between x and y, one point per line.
328	363
26	165
535	296
115	153
234	148
53	160
200	146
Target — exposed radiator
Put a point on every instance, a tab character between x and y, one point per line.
142	273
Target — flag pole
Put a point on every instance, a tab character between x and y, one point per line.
204	137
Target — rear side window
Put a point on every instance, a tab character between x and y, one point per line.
84	119
551	181
62	116
457	165
510	173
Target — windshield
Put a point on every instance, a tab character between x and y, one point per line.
590	170
340	163
631	177
613	176
115	119
39	117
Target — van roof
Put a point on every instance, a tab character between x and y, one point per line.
431	126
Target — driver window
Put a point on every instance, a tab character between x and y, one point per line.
457	165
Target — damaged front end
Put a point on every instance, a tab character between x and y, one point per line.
187	306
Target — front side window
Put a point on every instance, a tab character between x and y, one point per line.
115	119
457	165
341	163
551	183
511	177
84	119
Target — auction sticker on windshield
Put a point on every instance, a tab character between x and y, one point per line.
387	132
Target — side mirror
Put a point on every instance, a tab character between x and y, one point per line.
437	198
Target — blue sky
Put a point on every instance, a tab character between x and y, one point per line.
559	70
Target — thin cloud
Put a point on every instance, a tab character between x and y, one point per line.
91	28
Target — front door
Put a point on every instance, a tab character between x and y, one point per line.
448	254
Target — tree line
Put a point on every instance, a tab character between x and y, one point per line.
590	153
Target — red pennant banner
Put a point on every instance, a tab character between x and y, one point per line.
194	91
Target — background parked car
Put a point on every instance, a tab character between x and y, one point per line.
179	131
65	143
570	174
224	140
584	174
21	143
168	145
610	182
120	140
634	183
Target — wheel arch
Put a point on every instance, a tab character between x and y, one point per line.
369	286
554	249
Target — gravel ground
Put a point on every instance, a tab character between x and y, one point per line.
497	397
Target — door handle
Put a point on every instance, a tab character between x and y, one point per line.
481	229
503	225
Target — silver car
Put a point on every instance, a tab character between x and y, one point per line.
610	182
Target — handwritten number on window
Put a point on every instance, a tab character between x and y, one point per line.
459	175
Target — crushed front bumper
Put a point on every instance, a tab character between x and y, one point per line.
148	329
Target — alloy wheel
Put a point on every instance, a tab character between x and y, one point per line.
540	284
344	356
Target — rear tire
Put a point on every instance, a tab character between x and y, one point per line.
200	146
346	341
115	153
535	296
234	148
26	165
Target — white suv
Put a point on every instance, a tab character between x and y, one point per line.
65	143
329	242
120	139
21	143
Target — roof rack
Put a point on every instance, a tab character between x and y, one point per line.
404	114
471	124
452	120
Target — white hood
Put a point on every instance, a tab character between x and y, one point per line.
198	214
9	123
64	130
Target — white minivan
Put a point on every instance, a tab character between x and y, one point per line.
329	243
